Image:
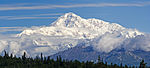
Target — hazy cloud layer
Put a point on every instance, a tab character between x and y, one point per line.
6	29
34	6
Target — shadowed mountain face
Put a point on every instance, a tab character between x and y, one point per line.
86	53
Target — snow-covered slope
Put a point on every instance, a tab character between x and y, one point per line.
71	25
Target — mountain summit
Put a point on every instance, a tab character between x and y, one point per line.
68	20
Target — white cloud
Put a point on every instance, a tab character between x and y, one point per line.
18	45
108	42
138	43
32	7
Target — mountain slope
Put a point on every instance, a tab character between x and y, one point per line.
117	56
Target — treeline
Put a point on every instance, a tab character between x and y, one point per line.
10	61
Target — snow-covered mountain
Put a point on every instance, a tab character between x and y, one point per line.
73	26
69	31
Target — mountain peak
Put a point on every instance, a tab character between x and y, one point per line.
68	20
70	14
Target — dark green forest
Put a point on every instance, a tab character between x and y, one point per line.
10	61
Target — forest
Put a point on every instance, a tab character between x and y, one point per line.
11	61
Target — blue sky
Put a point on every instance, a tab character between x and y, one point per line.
25	13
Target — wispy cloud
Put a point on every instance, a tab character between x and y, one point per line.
38	16
10	27
16	18
49	14
7	29
31	7
19	18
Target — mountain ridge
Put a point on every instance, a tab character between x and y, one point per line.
117	56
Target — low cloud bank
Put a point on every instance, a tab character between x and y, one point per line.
141	42
35	44
109	42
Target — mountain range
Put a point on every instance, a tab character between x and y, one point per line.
74	37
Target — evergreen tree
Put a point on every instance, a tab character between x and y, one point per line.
142	64
24	56
41	57
99	59
7	61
